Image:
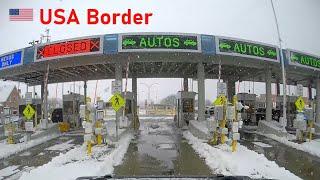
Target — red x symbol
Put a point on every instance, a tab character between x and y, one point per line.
40	52
95	44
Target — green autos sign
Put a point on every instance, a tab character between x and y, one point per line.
304	60
158	42
247	49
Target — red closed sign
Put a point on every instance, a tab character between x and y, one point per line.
68	48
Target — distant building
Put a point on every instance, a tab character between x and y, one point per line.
9	97
160	110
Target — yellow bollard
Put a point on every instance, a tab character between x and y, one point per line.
10	140
234	145
89	147
222	125
214	140
310	133
99	139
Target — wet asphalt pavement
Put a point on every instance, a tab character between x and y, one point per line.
39	155
160	149
300	163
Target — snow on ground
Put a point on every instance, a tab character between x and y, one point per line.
8	171
156	117
312	147
242	162
61	147
75	163
261	144
200	125
7	150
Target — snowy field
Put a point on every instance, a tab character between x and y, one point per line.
7	150
242	162
75	163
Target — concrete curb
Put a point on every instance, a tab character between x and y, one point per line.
265	127
197	131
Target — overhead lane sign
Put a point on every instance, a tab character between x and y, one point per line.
68	48
159	42
237	47
12	59
303	60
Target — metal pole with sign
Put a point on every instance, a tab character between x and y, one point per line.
28	113
118	77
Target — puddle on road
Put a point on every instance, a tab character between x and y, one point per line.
162	152
300	163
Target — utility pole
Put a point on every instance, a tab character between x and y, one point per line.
284	114
45	37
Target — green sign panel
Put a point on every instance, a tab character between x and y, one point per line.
304	60
159	42
243	48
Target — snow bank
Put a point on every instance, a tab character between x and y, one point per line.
312	147
75	163
8	171
242	162
7	150
61	147
199	129
272	127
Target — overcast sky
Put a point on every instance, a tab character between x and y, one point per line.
248	19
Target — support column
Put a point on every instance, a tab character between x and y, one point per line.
278	87
85	101
118	77
85	92
42	106
135	97
310	92
201	92
231	89
185	84
268	95
42	93
44	110
318	102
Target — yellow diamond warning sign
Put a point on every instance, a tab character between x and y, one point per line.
117	101
28	112
300	104
221	100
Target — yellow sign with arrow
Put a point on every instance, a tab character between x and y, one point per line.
28	112
117	101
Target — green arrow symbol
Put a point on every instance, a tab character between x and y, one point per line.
190	42
224	46
271	53
294	57
128	42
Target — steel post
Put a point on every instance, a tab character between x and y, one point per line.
118	77
318	102
268	95
185	84
201	92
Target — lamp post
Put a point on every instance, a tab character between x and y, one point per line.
149	87
284	114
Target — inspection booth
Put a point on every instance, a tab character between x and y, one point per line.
185	103
71	105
